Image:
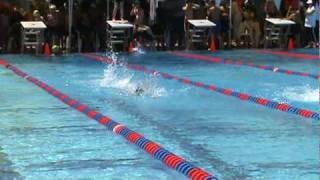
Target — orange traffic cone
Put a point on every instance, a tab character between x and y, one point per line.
291	44
213	45
47	50
131	47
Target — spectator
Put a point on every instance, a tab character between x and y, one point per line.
200	12
310	24
4	24
115	9
139	26
224	19
236	21
285	4
270	9
14	30
37	16
41	5
52	21
214	14
250	27
294	14
189	9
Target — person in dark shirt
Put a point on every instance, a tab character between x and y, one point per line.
4	28
115	9
270	9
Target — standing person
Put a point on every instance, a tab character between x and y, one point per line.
4	28
310	24
294	14
200	12
236	22
188	9
224	19
270	9
14	30
52	21
115	9
213	14
139	26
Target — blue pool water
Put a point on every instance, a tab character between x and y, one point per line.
43	138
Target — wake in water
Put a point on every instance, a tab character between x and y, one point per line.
117	77
305	94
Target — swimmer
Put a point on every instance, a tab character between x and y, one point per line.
139	91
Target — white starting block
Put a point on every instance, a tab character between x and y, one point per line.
280	22
198	31
118	32
275	30
32	34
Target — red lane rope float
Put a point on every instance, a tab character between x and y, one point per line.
227	92
168	158
241	63
290	54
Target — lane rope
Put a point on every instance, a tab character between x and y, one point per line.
227	92
241	63
299	56
168	158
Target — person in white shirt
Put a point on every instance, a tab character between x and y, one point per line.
310	24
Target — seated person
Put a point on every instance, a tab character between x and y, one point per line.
139	26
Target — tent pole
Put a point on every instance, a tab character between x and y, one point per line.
70	8
230	23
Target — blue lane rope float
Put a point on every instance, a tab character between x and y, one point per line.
239	62
227	92
168	158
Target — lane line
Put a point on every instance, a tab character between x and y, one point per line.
241	63
227	92
299	56
168	158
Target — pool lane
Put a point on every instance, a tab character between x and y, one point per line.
239	62
227	92
285	62
295	90
44	139
237	139
297	56
171	160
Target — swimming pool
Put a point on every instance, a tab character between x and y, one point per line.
232	139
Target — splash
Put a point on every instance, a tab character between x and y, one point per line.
300	94
127	82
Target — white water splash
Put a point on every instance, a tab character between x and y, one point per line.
299	94
120	78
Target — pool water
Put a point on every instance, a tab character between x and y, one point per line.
43	138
